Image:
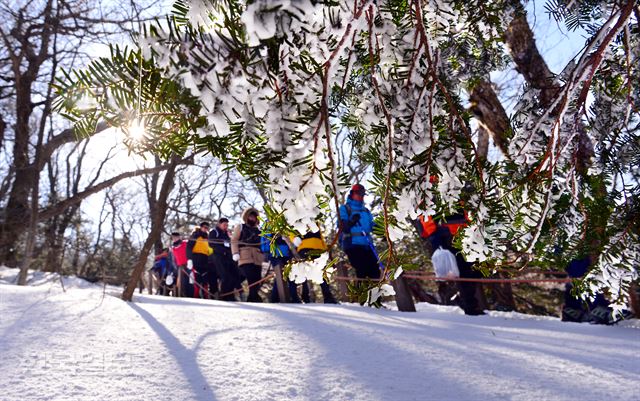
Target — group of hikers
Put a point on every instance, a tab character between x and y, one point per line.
214	261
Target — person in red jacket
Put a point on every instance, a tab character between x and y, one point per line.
440	234
178	257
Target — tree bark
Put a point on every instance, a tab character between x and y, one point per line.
404	301
26	177
419	293
483	144
24	76
156	229
488	110
30	36
634	300
528	60
282	284
3	126
343	290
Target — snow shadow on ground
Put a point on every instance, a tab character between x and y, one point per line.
185	357
369	358
458	347
510	332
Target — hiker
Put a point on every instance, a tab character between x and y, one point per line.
198	247
280	256
226	268
356	225
440	234
597	311
178	259
163	272
245	247
212	273
310	247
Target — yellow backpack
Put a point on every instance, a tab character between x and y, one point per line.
202	246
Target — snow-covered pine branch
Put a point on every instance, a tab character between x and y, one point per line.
274	81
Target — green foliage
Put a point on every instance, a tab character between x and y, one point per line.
124	87
269	106
577	14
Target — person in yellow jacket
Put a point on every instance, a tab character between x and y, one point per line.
310	246
245	247
198	250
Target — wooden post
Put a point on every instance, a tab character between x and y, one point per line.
150	283
481	298
404	301
503	294
419	294
178	284
342	285
633	297
283	290
312	291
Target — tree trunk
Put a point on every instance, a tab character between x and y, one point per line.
633	300
30	244
343	290
156	230
17	209
419	293
282	284
404	301
493	119
53	246
503	294
31	234
26	178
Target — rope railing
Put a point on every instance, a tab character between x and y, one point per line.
268	276
224	242
238	290
464	279
421	275
490	280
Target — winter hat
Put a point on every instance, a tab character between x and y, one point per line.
248	211
358	189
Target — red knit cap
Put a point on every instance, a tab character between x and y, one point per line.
358	189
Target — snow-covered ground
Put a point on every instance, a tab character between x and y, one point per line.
81	345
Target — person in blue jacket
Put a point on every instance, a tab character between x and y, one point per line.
356	225
597	311
281	255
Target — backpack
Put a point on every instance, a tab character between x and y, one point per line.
160	267
249	235
346	235
201	246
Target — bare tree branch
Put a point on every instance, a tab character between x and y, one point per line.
80	196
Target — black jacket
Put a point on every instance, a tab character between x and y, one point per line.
219	238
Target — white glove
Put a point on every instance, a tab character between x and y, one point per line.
169	279
297	241
236	257
189	264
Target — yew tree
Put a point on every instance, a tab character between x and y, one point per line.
267	85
